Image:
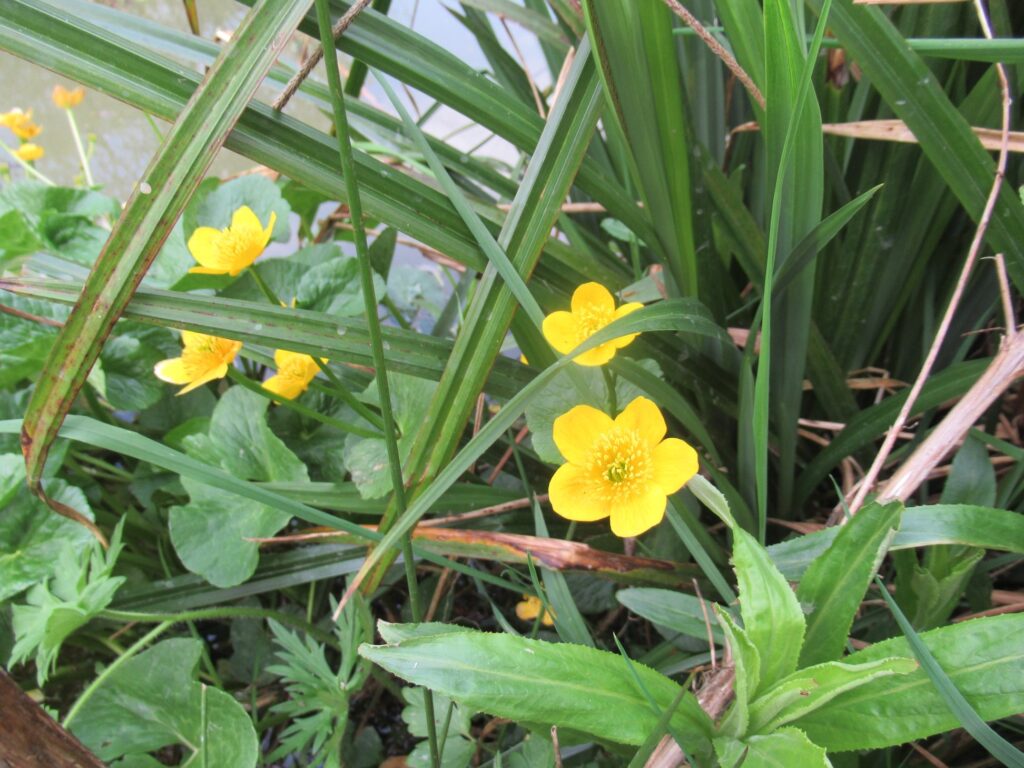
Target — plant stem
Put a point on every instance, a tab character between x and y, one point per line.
222	612
29	168
80	149
348	170
87	694
240	378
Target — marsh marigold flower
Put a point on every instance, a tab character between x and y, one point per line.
204	358
229	251
294	372
20	124
530	608
593	307
66	98
624	468
29	152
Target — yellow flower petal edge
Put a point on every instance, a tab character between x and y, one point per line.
20	123
621	468
66	98
530	608
231	250
592	308
203	358
294	373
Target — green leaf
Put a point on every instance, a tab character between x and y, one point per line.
972	478
983	659
772	617
813	687
747	669
836	581
209	533
672	612
570	686
367	458
153	701
32	537
127	361
82	586
332	287
931	525
786	748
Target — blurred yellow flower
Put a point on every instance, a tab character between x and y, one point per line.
294	372
20	124
229	251
29	152
621	468
530	608
66	98
593	307
204	358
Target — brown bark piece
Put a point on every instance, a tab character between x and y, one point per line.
30	738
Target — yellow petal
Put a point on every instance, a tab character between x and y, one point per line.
269	231
632	517
622	311
287	387
245	223
172	371
217	372
592	297
193	339
29	152
599	355
205	245
528	609
282	357
573	495
675	462
562	331
207	271
576	431
644	417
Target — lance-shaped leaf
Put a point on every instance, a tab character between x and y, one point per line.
160	197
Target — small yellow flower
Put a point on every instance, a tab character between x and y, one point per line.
621	468
593	307
20	124
29	152
229	251
294	372
66	98
204	358
530	608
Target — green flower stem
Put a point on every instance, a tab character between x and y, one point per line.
240	378
94	686
348	171
609	383
83	159
222	612
396	313
338	390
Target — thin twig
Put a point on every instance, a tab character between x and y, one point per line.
309	64
707	624
716	48
972	255
537	100
1004	295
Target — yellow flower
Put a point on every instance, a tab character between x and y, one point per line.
622	469
593	307
530	608
204	358
229	251
294	372
29	152
20	124
66	98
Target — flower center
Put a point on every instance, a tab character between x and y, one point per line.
620	464
592	320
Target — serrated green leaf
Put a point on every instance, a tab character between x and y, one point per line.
672	612
786	748
836	581
553	684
